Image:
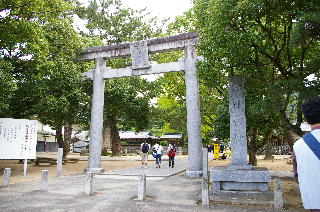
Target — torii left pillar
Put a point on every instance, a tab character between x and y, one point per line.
96	126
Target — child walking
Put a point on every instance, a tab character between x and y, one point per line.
171	154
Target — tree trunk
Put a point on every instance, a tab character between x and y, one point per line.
290	138
111	136
252	157
268	154
106	139
67	138
252	147
61	142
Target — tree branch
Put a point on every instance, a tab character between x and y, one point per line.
266	30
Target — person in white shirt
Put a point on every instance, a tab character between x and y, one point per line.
145	147
158	149
306	157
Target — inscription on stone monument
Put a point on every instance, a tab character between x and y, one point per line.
238	135
139	55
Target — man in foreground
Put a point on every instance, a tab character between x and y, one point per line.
306	157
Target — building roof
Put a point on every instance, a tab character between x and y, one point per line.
136	135
43	132
171	136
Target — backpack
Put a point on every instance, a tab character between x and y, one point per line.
154	154
171	153
145	148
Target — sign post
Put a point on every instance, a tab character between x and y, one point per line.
25	167
18	140
215	151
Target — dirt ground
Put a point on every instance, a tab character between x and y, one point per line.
290	192
33	171
272	165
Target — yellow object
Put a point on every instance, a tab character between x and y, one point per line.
216	151
228	153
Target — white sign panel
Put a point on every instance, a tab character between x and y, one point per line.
18	138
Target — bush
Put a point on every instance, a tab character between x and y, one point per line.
84	152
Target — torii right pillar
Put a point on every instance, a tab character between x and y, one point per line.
193	113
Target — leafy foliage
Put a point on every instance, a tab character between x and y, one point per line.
113	23
171	105
38	45
126	99
272	44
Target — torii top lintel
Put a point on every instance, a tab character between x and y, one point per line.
155	45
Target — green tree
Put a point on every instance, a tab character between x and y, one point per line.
9	87
38	46
127	99
259	40
113	23
172	89
169	113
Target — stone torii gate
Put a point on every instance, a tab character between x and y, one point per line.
139	52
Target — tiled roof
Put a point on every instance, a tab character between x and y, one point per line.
172	135
133	134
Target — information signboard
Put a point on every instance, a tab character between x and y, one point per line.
18	138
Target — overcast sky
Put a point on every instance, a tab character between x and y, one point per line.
161	8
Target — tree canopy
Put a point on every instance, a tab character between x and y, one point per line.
38	47
274	44
127	100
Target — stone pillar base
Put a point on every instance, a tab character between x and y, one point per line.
240	166
193	173
94	170
225	179
261	198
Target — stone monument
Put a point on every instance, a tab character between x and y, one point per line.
205	179
88	186
238	175
6	177
142	189
44	180
278	199
59	162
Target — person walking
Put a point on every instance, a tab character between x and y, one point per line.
145	147
157	148
171	154
306	157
